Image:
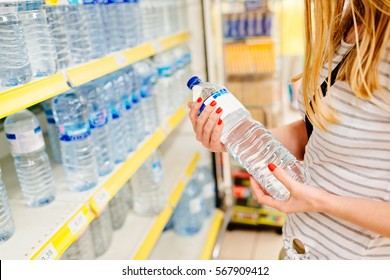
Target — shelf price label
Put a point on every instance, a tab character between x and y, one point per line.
48	253
77	223
101	198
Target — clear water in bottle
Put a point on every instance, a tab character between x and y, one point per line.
41	51
98	122
118	209
129	194
7	225
188	216
149	194
93	12
248	141
146	73
116	121
15	67
71	116
76	28
114	24
206	181
81	249
32	164
138	29
57	28
54	139
101	230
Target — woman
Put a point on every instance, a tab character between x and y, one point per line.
344	210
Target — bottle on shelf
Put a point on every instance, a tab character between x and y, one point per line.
71	116
248	141
206	181
114	24
188	217
7	225
116	120
101	230
15	67
54	139
98	122
129	194
82	248
41	51
57	29
32	164
149	195
118	209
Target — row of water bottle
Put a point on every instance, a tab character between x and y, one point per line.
38	39
196	204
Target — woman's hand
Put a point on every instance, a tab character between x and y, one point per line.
208	125
303	198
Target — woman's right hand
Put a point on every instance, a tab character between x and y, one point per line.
208	125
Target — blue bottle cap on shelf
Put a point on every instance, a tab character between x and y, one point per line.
193	81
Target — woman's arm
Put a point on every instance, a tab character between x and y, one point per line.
369	214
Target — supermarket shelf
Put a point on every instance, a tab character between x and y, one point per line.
24	96
257	216
51	229
137	242
172	246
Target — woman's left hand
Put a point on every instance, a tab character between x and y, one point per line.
303	198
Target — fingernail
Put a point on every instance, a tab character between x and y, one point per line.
219	110
271	167
199	100
213	103
219	122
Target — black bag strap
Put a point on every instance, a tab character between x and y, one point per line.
324	89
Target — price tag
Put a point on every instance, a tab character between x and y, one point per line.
101	198
157	46
77	223
120	58
49	253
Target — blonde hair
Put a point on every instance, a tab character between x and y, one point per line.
327	23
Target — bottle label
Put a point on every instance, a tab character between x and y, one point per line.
70	135
208	190
164	71
26	142
115	114
224	99
127	104
195	205
180	63
98	119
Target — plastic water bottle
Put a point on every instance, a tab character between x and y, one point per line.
149	195
71	116
82	248
54	139
188	216
205	179
15	67
118	209
114	24
101	230
129	194
116	121
94	18
248	141
164	88
145	72
77	33
180	76
57	28
98	122
41	51
32	164
7	226
138	29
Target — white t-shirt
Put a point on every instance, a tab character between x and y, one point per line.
351	159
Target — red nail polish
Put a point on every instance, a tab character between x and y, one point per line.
219	110
199	100
271	167
213	103
219	122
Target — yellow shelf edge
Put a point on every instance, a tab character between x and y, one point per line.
24	96
174	40
212	235
55	246
153	235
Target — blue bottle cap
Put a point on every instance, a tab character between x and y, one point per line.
193	81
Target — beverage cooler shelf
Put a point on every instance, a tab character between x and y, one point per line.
15	99
46	232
